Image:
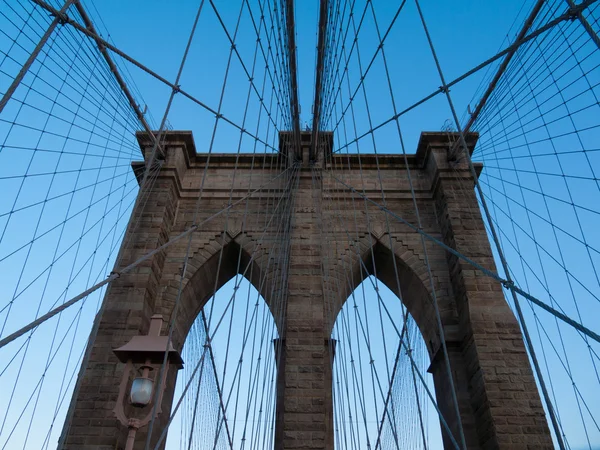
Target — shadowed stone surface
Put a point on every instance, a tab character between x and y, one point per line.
498	398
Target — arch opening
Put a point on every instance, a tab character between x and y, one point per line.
406	279
237	259
381	398
233	377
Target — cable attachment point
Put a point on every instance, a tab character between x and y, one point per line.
444	89
508	284
116	274
177	89
61	17
573	12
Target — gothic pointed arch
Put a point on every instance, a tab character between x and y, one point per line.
383	368
399	264
211	264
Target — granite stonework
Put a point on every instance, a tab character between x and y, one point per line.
498	399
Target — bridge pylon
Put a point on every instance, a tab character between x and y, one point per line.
498	401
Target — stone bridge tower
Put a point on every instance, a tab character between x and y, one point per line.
498	399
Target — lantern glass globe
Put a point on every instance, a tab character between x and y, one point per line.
141	391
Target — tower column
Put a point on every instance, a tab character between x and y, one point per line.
304	389
129	303
489	361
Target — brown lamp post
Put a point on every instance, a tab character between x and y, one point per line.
145	352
